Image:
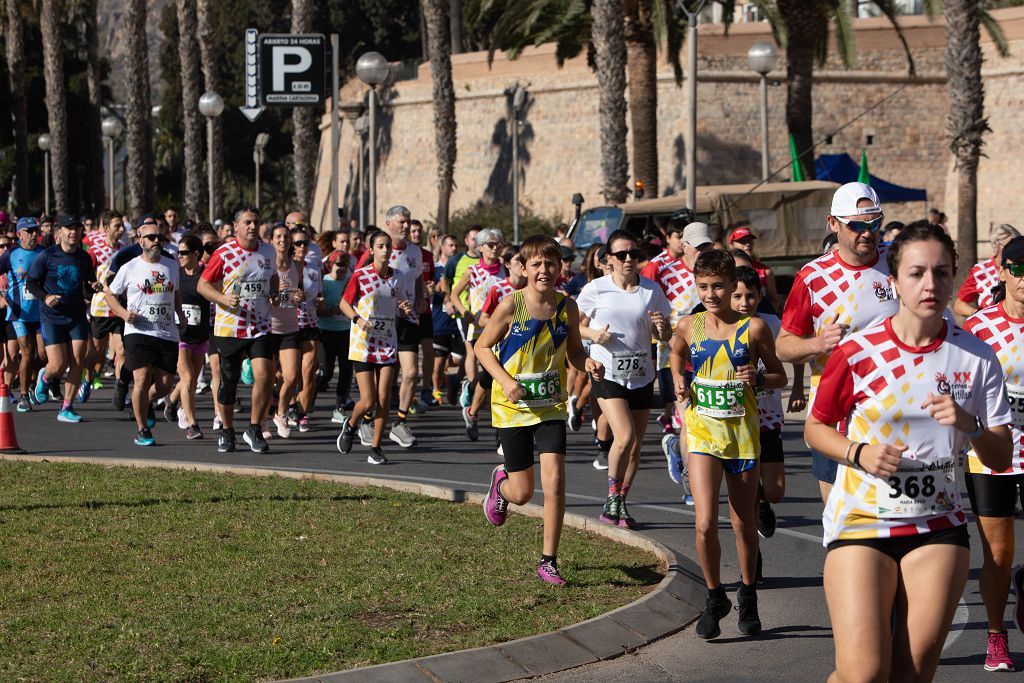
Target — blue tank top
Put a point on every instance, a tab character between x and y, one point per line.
21	305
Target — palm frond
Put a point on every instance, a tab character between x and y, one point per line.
771	15
846	41
932	9
889	10
995	32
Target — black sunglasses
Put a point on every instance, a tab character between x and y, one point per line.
300	243
154	237
185	252
631	253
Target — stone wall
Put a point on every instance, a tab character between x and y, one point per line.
559	147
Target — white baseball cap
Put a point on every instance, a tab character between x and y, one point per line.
844	201
697	234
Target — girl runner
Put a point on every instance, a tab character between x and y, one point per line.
535	330
309	330
334	333
284	325
912	389
195	340
620	314
994	494
370	302
722	434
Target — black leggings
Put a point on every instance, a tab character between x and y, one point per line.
336	351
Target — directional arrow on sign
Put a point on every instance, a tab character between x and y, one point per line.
252	108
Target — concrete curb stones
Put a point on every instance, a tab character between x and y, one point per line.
675	602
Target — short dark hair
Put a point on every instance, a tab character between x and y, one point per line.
919	231
677	224
620	235
715	262
190	242
749	277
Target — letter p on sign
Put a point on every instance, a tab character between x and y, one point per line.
284	63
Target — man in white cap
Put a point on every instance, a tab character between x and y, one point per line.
843	291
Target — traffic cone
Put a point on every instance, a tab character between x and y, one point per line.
8	439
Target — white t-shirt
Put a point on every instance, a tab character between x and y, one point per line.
627	356
150	288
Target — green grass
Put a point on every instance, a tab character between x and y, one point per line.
146	574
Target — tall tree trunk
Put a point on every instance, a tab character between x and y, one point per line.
94	79
439	46
455	23
967	123
610	60
801	19
305	138
15	42
139	138
56	101
211	82
188	57
643	92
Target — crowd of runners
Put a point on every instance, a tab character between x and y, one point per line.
899	393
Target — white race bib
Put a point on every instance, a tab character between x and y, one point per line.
629	365
1016	395
916	493
26	295
193	314
156	312
380	327
253	289
543	389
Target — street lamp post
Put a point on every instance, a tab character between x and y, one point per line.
518	99
257	156
373	69
762	58
362	125
691	110
44	144
211	105
111	129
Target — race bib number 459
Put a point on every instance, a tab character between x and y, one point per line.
253	289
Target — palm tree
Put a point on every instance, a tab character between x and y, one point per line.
967	122
14	39
609	42
139	136
641	63
56	100
94	81
305	137
188	56
211	83
435	16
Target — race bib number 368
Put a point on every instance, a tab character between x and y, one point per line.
916	493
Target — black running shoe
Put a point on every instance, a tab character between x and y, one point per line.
716	606
759	574
120	394
749	623
765	520
254	437
345	438
226	441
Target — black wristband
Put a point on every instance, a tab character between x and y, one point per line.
856	455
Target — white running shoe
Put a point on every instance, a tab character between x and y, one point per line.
283	430
182	420
366	433
402	435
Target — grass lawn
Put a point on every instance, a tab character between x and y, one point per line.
132	574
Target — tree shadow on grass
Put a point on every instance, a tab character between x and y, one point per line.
644	575
146	502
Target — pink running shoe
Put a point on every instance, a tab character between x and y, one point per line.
997	658
548	573
666	424
496	507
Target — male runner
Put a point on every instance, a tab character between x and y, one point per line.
240	278
453	271
62	277
426	320
22	305
105	323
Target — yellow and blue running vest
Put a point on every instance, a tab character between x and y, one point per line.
533	352
721	418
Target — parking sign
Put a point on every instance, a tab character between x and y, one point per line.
292	69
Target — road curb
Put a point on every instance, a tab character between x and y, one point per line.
674	603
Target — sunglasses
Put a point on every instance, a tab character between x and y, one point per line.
153	237
186	252
621	255
300	243
1015	269
492	245
861	226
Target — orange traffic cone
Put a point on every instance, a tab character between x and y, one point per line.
8	439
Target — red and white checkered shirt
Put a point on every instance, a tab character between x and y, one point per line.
247	274
979	283
878	385
680	287
827	287
497	295
375	298
1006	337
101	254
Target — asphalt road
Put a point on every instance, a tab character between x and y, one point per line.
796	644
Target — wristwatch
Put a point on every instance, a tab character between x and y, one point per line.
979	428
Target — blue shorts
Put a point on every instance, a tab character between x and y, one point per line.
24	329
824	469
63	334
732	465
